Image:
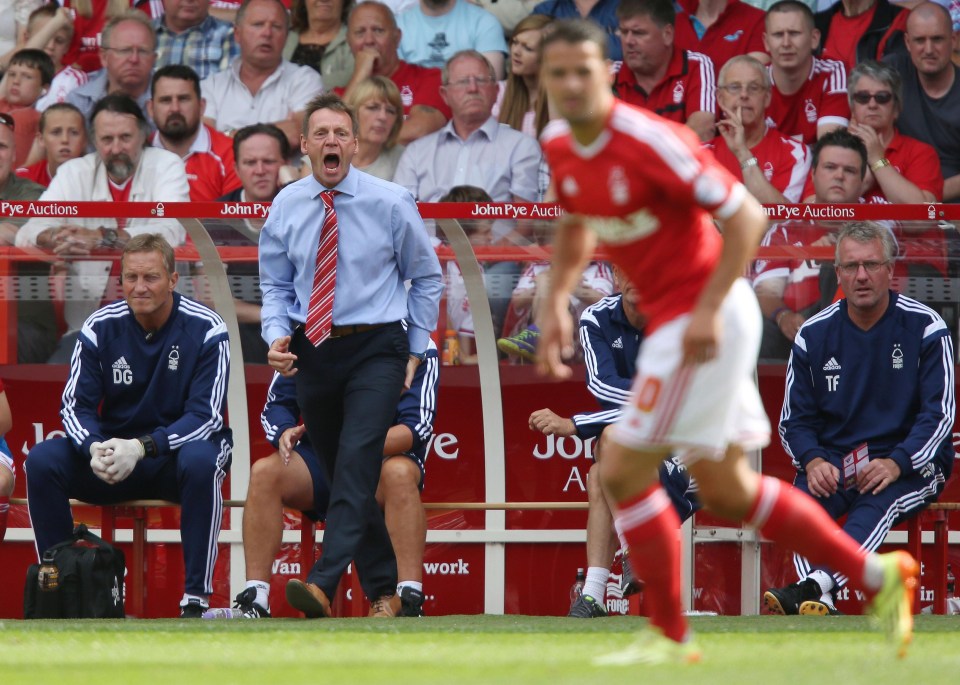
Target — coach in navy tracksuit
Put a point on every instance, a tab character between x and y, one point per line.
295	477
610	338
143	410
874	369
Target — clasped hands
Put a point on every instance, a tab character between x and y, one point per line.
113	460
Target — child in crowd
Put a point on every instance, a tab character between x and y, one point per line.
51	29
26	79
62	137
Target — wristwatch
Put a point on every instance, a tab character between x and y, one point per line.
109	239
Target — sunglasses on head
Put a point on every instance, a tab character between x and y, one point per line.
862	97
6	120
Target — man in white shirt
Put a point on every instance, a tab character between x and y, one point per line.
260	86
121	170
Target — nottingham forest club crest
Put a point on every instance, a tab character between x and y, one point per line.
618	186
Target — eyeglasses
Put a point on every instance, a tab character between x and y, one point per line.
127	53
862	97
853	268
737	88
7	120
478	81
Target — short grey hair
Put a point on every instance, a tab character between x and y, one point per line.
867	232
135	16
880	72
463	54
746	60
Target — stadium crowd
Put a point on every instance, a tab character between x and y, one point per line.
856	101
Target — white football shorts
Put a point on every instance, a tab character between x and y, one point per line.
699	410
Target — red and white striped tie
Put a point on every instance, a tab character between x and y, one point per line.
320	309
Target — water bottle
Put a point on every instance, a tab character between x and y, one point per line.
48	577
951	582
451	348
577	588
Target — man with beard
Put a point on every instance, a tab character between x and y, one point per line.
176	109
120	170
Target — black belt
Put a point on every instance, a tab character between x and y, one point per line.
342	331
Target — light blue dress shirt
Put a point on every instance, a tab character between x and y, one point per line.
381	243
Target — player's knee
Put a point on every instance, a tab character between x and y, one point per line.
6	481
594	487
265	475
47	458
398	474
198	461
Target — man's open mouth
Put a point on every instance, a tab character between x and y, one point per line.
331	162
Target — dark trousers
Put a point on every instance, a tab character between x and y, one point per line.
870	517
347	390
192	476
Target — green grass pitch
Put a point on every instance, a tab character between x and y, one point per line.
455	650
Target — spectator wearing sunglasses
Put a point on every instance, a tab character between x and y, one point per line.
901	169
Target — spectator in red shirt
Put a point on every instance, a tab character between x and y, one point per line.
792	290
374	39
176	108
809	96
25	80
773	168
89	20
721	29
658	75
62	137
856	30
902	169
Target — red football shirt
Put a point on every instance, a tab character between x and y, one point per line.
915	160
689	86
821	100
785	162
803	275
844	34
737	31
655	216
38	173
419	86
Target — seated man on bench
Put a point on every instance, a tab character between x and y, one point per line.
294	477
143	410
868	411
610	334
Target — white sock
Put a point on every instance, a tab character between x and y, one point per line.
263	592
596	583
187	597
409	583
873	573
824	580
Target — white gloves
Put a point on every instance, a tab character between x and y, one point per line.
114	460
96	461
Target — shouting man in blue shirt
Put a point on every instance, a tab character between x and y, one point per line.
334	255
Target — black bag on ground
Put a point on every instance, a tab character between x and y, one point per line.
87	582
